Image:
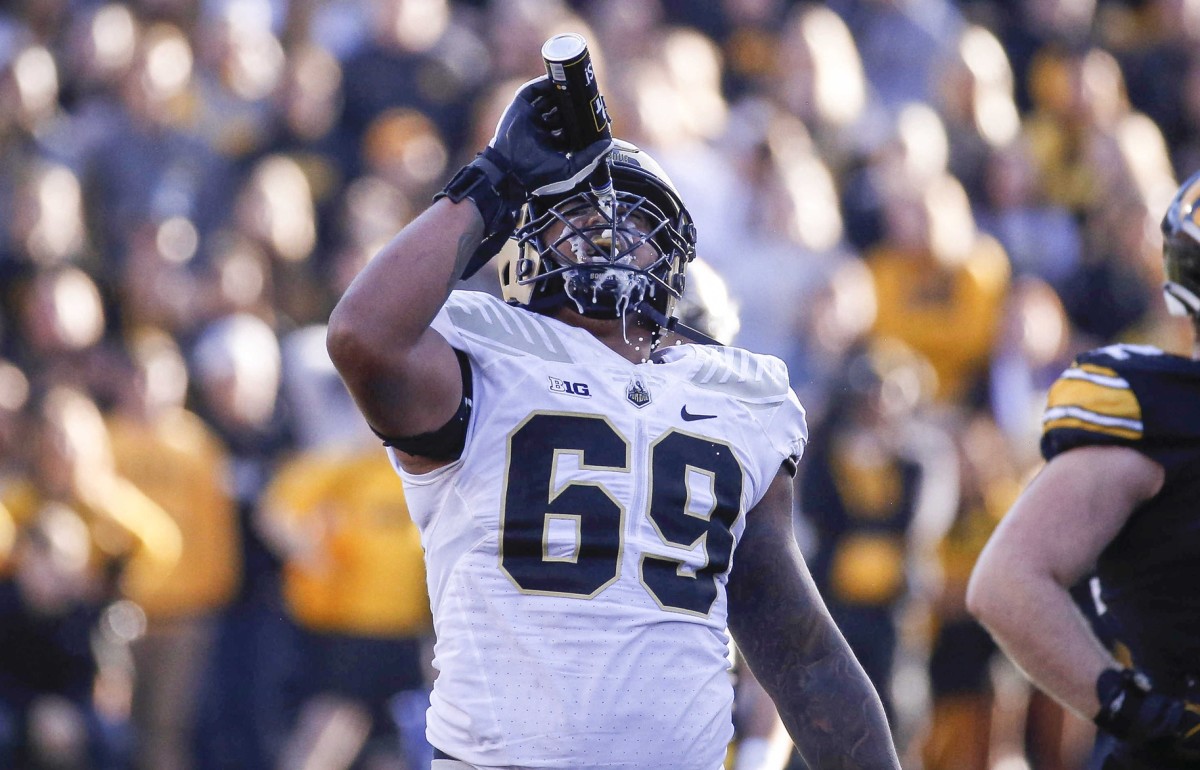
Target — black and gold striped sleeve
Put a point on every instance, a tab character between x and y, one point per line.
1090	404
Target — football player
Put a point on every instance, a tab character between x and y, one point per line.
582	484
1117	496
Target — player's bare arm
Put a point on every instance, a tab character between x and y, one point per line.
1116	498
828	705
403	375
1048	542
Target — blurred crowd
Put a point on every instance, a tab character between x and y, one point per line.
925	207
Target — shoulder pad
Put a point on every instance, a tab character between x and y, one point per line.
491	323
1093	398
759	382
1121	394
754	378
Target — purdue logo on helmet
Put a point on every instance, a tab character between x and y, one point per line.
1181	250
579	248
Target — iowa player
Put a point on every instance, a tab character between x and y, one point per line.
1118	495
596	507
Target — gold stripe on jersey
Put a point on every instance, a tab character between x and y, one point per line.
1088	425
1094	398
1110	402
1102	374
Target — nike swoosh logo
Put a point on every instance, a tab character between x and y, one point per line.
689	417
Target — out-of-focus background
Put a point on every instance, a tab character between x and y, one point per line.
925	207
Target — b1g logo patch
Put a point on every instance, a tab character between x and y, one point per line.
569	388
637	393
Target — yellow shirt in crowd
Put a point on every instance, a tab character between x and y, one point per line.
179	464
950	314
355	564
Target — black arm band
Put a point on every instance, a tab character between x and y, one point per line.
447	442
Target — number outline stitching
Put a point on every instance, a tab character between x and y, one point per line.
555	491
556	488
702	539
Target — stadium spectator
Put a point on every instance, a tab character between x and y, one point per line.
941	285
960	734
817	75
48	667
1041	238
176	459
418	55
879	490
974	97
235	368
353	581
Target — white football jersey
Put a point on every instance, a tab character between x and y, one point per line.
577	552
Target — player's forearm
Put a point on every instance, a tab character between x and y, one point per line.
829	707
1047	542
1034	620
396	296
781	625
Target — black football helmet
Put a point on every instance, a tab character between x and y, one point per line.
578	247
1181	250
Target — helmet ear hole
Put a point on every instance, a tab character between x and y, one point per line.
509	270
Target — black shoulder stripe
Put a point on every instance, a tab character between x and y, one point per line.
447	442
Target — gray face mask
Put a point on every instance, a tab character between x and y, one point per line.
609	254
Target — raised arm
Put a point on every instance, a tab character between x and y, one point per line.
783	629
403	375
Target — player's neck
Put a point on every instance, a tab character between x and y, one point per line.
631	338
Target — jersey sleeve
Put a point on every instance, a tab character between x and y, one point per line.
1091	403
760	383
787	427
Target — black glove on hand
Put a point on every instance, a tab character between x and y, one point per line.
526	155
1132	712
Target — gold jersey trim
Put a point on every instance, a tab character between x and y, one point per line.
1088	425
1095	398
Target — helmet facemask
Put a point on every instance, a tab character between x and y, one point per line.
610	255
605	256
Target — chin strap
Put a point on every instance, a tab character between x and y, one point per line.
665	323
673	324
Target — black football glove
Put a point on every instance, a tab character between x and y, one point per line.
1130	710
526	155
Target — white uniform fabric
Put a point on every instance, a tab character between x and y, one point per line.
579	623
